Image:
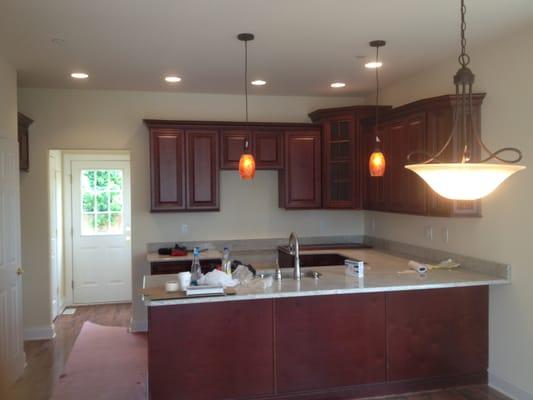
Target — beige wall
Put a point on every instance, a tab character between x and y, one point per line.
8	100
503	70
71	119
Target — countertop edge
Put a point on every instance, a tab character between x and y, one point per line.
324	292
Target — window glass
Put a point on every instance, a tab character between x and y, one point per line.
102	202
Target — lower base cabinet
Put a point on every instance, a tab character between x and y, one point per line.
319	347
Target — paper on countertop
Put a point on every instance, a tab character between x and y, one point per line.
423	268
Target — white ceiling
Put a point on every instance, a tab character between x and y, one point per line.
301	45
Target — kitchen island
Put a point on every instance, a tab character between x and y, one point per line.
335	337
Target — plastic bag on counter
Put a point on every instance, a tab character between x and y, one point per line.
260	283
217	278
243	274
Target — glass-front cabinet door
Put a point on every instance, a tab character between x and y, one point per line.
340	156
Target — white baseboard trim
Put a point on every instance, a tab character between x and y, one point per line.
45	332
508	389
138	326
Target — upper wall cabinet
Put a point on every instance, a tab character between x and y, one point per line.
266	145
422	125
341	163
300	182
24	141
186	158
184	167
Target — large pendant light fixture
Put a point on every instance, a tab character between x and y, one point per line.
463	179
376	162
247	161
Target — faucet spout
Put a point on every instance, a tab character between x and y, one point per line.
294	249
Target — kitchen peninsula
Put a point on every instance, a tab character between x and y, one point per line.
333	337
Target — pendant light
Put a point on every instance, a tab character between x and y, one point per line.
376	162
247	161
465	180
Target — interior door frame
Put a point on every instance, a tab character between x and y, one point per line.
68	157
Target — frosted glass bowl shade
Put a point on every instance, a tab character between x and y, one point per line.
467	181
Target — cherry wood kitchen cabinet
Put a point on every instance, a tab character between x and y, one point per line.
319	347
422	125
266	145
202	169
341	161
300	182
24	123
184	168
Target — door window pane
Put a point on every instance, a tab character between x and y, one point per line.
102	202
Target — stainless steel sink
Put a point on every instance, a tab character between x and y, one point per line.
288	274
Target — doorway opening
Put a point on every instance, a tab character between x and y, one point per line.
96	223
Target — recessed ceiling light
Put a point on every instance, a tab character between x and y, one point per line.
259	82
374	64
172	79
79	75
338	85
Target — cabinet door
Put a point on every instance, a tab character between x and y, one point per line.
268	149
300	181
233	142
376	188
167	159
407	191
202	170
341	184
322	341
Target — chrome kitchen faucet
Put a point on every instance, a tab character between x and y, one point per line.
294	250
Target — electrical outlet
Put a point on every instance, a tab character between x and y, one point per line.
184	228
445	235
428	233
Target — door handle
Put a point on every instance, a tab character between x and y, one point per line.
20	271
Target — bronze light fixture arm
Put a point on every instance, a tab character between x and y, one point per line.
463	81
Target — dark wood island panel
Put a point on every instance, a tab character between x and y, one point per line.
211	350
330	341
319	347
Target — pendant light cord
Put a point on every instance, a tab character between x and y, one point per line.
246	77
378	144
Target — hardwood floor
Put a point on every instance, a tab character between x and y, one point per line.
46	358
473	392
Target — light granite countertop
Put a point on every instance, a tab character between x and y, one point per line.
381	275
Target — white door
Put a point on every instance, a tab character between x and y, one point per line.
12	359
101	232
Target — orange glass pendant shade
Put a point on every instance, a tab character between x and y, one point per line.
247	166
376	164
